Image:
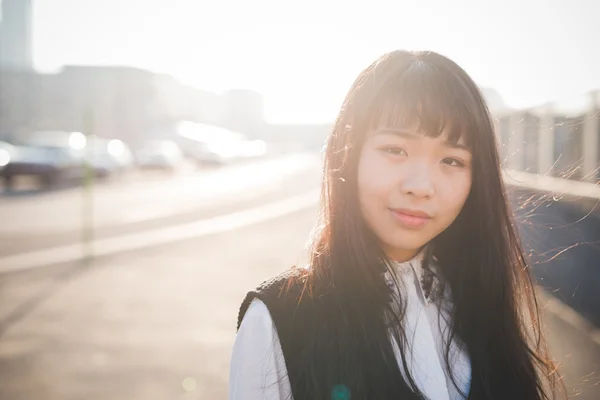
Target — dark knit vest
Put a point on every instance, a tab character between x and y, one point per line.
298	318
295	315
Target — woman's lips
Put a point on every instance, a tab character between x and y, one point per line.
413	219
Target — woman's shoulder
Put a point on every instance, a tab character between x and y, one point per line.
277	292
257	315
286	280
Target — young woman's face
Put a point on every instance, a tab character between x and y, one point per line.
411	187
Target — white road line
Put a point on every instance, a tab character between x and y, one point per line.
171	234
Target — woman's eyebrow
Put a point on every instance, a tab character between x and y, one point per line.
406	134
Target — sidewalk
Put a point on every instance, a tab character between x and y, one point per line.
156	323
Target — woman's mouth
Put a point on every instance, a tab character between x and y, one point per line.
408	218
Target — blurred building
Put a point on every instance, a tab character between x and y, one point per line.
122	102
16	35
561	138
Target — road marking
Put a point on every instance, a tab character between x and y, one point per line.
171	234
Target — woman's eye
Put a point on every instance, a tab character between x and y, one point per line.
453	162
397	151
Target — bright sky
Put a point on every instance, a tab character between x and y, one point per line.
304	55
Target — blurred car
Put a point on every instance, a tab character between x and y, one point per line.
217	145
159	154
7	151
231	149
109	156
51	156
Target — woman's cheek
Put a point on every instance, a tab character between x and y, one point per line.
454	192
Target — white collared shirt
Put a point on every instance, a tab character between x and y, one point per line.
258	370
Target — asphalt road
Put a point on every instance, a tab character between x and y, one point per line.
158	323
147	201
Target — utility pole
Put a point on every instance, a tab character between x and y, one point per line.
87	228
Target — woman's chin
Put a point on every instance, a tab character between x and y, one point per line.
402	250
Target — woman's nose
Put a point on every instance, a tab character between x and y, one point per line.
418	180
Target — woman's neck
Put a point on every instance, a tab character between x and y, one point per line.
401	255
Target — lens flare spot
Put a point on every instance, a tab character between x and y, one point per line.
189	384
340	392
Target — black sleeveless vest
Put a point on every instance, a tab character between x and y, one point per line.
297	317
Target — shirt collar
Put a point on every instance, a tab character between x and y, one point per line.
426	279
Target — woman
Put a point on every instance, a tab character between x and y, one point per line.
417	287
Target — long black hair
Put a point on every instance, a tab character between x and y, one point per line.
495	315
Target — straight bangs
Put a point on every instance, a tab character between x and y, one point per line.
428	100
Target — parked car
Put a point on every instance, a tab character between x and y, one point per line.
51	156
217	145
7	151
109	156
159	154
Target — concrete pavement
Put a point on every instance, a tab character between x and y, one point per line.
138	325
55	219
